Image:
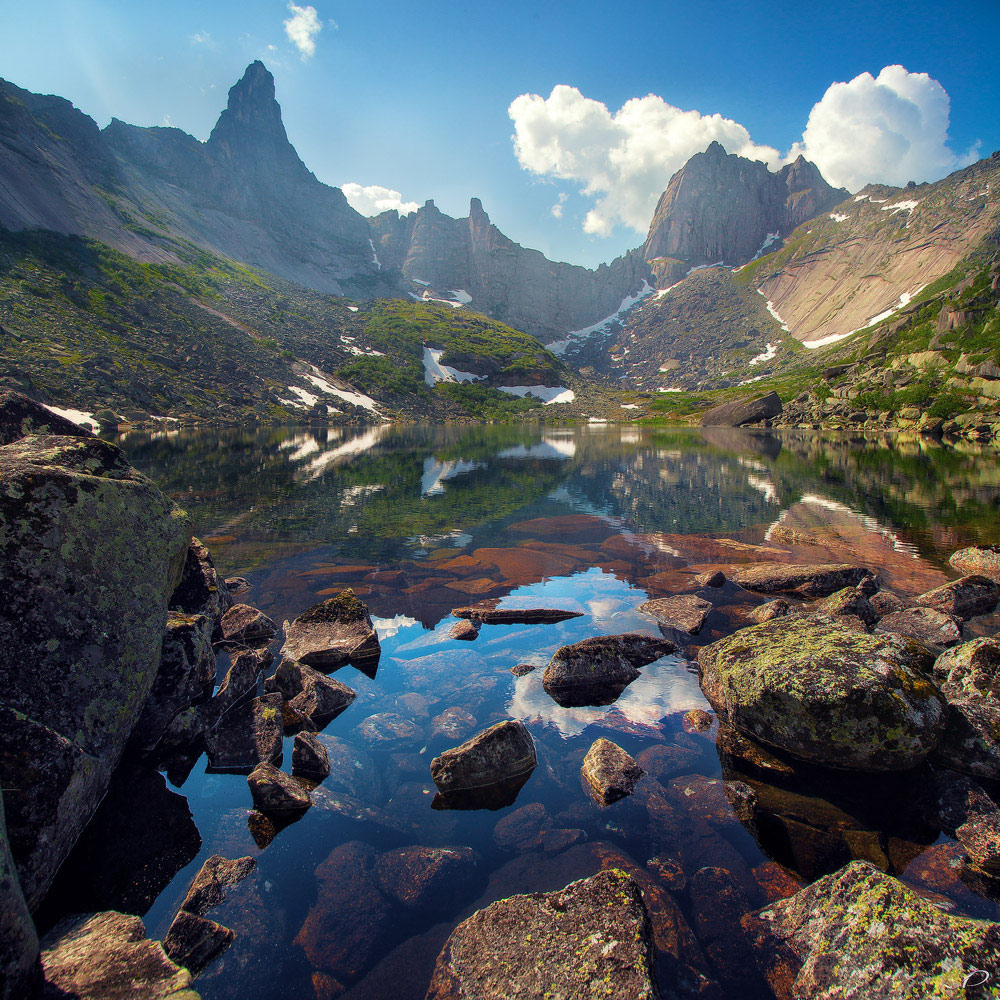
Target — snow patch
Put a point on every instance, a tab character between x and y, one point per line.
762	249
774	312
321	382
461	296
435	372
79	417
631	406
772	350
664	388
375	259
548	394
702	267
901	206
837	217
662	293
627	303
419	281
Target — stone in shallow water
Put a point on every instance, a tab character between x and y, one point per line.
452	724
107	956
421	878
686	613
195	942
309	758
387	730
596	671
467	631
245	624
924	624
520	669
610	772
711	578
237	585
334	633
248	734
215	876
820	943
275	793
978	559
813	581
965	598
778	608
827	693
320	699
591	939
487	613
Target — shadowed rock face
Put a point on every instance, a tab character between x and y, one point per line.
19	968
743	411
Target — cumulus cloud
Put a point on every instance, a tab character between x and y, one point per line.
624	160
891	129
302	28
374	199
557	208
201	38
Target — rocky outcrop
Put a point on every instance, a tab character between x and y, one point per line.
827	693
591	939
743	411
19	968
724	207
610	772
332	634
820	943
201	590
92	551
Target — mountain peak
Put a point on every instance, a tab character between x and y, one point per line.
715	148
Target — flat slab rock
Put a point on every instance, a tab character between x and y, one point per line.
924	624
827	693
985	560
813	581
965	598
195	942
610	772
684	612
487	613
596	671
215	876
589	940
334	633
107	956
822	943
243	623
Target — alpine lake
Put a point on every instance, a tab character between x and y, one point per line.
595	519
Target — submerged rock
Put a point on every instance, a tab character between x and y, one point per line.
332	634
487	613
827	693
107	956
309	758
610	772
861	933
195	942
200	591
596	671
419	878
812	581
452	724
966	598
215	876
498	759
978	559
591	939
275	793
923	624
246	625
686	613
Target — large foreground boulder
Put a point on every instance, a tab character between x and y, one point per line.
19	968
91	551
201	590
861	933
592	939
596	671
743	411
827	693
812	581
332	634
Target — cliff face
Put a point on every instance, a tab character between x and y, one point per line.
721	207
441	256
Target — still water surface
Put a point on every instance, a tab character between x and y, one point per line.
421	520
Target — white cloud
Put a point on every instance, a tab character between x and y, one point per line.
557	208
624	159
374	199
201	38
892	128
302	28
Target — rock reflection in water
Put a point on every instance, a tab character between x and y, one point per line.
496	796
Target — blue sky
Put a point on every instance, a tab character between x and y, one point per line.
416	97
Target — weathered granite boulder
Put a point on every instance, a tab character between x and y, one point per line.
309	757
610	772
247	735
591	939
778	608
861	933
421	878
215	876
487	613
978	559
107	956
464	631
275	793
91	552
332	634
501	757
201	591
195	942
185	678
970	671
965	598
246	625
886	603
743	411
848	602
934	628
20	972
713	578
812	581
452	724
312	696
21	416
240	683
596	671
686	613
827	693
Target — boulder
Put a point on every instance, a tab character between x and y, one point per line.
195	942
610	772
827	693
215	876
980	837
934	628
91	551
711	578
591	939
421	878
970	672
849	602
983	559
812	581
521	669
743	411
686	613
247	735
275	793
861	933
885	603
309	757
20	972
312	696
107	956
186	676
501	757
596	671
334	633
246	625
466	631
487	613
200	591
240	683
21	416
778	608
965	598
452	724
